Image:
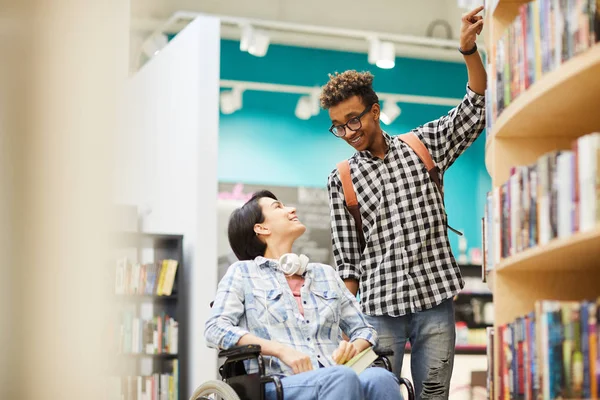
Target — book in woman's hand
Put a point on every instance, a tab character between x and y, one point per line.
362	360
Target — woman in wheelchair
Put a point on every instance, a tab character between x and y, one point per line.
295	310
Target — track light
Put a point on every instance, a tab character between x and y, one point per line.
154	44
308	106
254	41
382	54
390	112
231	100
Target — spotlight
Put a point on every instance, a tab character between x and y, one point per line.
154	44
253	41
382	54
231	100
303	108
307	106
390	112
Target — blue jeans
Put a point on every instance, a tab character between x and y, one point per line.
335	383
432	336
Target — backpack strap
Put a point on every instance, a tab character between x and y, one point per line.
351	200
419	148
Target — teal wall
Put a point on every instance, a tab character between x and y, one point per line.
264	142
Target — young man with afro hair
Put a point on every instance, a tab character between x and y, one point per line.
402	263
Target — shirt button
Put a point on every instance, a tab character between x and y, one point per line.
318	356
307	322
304	302
308	339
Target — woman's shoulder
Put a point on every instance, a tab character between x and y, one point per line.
323	269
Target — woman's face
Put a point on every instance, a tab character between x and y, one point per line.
280	221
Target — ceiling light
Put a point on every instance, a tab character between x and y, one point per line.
231	100
308	106
254	41
303	108
154	44
382	54
390	112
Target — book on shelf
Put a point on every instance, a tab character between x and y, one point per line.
543	35
145	279
554	197
489	333
134	335
362	360
163	386
551	353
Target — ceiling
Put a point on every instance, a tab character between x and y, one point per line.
422	18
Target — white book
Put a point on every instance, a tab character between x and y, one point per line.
564	174
515	210
587	148
544	229
497	226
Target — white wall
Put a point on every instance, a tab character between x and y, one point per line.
167	161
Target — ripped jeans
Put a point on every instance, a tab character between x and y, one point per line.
432	336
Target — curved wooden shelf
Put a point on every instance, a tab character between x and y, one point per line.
554	111
579	252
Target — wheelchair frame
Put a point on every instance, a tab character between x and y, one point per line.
252	386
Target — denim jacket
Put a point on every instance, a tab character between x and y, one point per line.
254	297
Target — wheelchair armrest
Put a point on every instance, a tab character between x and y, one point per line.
241	352
385	353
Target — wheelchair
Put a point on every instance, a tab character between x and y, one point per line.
236	384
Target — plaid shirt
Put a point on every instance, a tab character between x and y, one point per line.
254	297
407	265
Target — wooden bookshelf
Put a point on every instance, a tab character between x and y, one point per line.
553	112
579	252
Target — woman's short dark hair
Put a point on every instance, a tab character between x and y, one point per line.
243	240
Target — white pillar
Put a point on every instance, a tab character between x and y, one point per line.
63	67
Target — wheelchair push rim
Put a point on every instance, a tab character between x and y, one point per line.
214	390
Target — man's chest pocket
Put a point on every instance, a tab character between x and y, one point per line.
327	305
267	306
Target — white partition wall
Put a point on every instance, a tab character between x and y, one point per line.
167	164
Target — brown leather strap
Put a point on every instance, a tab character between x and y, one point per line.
419	148
351	200
347	187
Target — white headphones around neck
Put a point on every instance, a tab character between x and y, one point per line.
291	264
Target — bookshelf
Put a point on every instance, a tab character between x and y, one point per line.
470	307
142	359
555	110
558	108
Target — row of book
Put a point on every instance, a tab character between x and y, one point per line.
553	198
154	387
145	279
134	335
544	34
550	353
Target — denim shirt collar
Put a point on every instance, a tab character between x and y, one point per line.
268	262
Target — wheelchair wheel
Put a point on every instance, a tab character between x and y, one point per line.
214	390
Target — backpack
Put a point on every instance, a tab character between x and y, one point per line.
350	195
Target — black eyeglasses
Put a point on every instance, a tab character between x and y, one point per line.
353	124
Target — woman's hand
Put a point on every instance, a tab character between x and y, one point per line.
297	361
344	352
